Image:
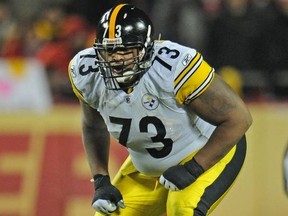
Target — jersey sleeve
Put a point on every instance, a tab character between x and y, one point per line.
193	75
85	77
72	76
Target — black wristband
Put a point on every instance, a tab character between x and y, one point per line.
194	168
101	180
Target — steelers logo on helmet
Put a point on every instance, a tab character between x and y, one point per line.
124	46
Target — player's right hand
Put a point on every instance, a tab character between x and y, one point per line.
107	198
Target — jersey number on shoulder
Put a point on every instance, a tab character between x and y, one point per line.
143	128
172	53
83	71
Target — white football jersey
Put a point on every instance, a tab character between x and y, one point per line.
151	121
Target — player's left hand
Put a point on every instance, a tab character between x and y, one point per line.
180	176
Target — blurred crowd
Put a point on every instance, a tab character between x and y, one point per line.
245	40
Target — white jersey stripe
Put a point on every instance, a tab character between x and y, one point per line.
188	75
202	86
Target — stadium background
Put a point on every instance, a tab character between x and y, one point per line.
43	170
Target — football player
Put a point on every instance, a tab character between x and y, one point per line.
183	127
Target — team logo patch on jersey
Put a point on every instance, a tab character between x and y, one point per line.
150	102
186	59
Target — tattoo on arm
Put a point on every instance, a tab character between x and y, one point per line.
219	103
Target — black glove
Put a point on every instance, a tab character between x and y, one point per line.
180	176
107	198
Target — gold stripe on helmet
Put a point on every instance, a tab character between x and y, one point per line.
113	20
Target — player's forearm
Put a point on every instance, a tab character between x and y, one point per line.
96	139
224	137
96	145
